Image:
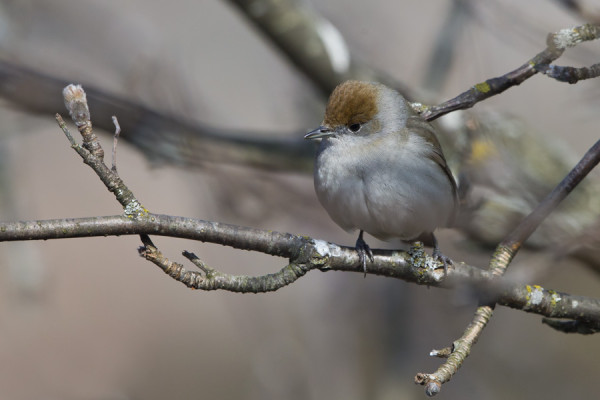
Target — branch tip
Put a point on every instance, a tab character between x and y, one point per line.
432	385
433	388
442	353
76	103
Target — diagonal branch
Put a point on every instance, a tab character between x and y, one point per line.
504	254
556	45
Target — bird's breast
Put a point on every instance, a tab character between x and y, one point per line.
387	192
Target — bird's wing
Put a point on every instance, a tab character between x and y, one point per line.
416	123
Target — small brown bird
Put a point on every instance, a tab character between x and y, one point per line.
380	168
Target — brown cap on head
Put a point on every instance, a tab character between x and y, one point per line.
351	102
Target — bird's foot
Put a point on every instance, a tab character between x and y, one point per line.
364	251
438	255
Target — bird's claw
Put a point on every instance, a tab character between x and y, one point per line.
444	259
438	255
364	251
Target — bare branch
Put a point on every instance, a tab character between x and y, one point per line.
570	74
92	152
213	280
414	266
502	257
516	238
556	42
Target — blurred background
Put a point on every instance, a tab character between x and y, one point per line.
90	319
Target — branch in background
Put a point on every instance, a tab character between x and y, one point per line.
193	144
580	10
443	53
515	239
161	137
312	44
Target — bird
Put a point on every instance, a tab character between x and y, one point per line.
380	169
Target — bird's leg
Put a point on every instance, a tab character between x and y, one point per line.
438	255
363	250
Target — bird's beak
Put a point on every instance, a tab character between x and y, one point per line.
319	133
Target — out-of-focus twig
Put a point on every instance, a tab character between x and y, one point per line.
162	138
582	11
443	52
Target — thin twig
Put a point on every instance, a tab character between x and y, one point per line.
213	280
63	125
92	153
556	45
570	74
515	239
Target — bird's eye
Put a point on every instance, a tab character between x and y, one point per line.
354	127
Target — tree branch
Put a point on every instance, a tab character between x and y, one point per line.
556	45
414	266
570	74
311	42
503	256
